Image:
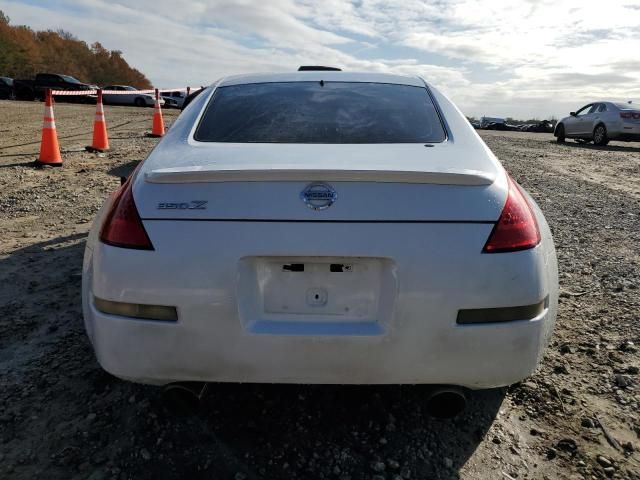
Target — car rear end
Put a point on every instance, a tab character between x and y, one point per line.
276	251
626	123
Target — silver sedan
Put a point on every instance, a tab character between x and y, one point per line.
600	122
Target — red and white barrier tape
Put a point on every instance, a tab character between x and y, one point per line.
74	92
121	92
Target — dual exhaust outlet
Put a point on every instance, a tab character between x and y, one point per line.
441	402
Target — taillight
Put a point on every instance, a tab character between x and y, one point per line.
516	228
635	115
122	226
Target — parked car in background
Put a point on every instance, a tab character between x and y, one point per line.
36	88
545	126
170	102
495	126
6	88
294	228
486	121
501	126
474	123
191	97
174	99
601	122
134	98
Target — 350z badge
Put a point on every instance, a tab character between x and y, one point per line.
192	205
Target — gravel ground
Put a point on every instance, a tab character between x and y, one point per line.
62	417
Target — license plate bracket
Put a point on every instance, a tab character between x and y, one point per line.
345	289
315	290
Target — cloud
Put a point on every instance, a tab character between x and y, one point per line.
459	46
278	22
535	57
602	79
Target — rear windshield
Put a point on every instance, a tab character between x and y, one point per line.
70	79
321	112
625	106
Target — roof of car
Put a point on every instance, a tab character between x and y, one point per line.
619	105
612	102
624	105
327	76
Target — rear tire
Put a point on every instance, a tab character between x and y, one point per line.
560	134
600	137
139	102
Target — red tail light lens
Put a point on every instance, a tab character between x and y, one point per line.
516	228
122	226
635	115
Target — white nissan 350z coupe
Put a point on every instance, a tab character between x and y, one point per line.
320	227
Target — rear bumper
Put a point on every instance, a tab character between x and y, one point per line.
479	356
628	136
418	341
624	131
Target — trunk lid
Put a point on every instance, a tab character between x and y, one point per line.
383	182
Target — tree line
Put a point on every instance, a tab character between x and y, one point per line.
25	52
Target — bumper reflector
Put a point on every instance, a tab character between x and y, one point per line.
506	314
136	310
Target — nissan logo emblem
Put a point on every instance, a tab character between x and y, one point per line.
318	196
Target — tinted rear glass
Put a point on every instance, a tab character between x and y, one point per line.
311	112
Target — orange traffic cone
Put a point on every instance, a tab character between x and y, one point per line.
158	122
49	148
100	137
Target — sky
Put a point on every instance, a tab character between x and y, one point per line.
521	58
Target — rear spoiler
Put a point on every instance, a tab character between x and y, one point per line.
200	174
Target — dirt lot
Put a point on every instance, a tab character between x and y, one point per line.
62	417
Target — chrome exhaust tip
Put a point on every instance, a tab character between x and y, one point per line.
446	402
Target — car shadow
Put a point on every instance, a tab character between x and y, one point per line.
123	171
38	282
240	431
20	164
331	430
606	148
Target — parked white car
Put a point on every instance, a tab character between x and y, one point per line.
601	122
134	98
321	227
